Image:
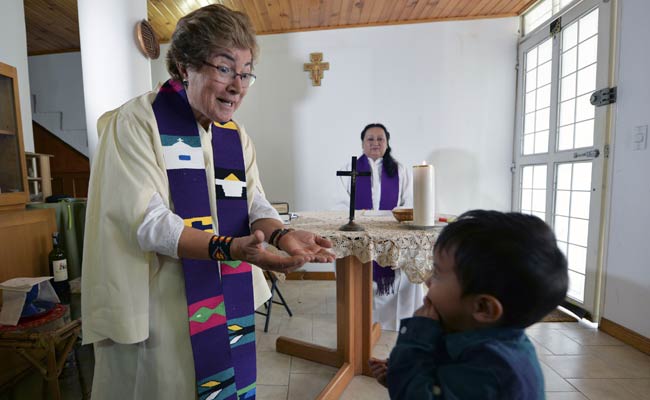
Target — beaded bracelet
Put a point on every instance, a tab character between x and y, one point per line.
219	248
277	234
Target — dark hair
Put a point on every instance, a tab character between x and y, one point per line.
199	34
389	162
511	256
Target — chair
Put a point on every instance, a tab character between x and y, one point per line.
274	289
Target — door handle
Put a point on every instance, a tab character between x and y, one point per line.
591	154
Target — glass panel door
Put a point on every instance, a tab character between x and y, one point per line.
560	140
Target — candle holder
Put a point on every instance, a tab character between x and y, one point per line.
351	226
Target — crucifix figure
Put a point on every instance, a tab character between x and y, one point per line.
316	66
351	226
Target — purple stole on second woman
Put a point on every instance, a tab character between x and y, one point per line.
383	276
219	295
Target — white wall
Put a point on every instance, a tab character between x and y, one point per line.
445	91
13	51
58	96
627	285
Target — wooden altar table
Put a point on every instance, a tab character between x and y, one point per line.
388	242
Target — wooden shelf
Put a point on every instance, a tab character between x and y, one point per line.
6	132
40	185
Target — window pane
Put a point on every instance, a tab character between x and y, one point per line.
529	144
567	112
585	134
545	51
564	172
527	177
584	108
531	59
544	74
543	97
577	258
563	246
588	25
541	142
531	80
526	199
530	101
569	36
586	80
539	177
569	61
562	202
582	176
539	200
542	119
587	52
565	141
529	123
578	231
562	228
568	86
580	204
576	286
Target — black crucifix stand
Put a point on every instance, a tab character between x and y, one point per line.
351	225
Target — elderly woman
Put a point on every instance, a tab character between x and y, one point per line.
388	186
174	195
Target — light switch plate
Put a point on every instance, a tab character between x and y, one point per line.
640	138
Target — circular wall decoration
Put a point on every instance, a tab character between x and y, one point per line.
147	40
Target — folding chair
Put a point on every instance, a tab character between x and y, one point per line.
274	289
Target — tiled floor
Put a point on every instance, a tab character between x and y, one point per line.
579	362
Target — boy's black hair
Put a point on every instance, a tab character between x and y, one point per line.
389	162
511	256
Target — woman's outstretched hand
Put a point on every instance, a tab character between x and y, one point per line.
250	249
303	243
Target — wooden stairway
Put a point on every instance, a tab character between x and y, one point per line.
70	169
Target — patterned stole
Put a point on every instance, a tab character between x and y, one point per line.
383	276
219	295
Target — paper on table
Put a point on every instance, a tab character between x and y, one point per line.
14	292
377	213
23	284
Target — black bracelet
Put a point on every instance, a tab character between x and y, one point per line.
277	235
273	235
219	248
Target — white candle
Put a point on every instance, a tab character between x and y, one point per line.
423	195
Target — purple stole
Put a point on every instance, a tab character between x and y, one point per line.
219	295
383	276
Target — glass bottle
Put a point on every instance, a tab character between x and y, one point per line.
59	269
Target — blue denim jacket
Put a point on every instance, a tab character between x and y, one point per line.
491	363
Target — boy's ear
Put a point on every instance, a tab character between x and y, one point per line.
487	309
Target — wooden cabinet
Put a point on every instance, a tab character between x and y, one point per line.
14	192
39	177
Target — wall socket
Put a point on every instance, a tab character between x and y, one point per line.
640	138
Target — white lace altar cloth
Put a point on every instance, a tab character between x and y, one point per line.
384	240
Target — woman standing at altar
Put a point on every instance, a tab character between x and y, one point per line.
388	186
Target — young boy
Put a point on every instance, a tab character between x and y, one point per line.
494	274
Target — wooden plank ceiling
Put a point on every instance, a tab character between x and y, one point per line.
52	25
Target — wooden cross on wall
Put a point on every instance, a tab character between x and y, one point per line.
316	67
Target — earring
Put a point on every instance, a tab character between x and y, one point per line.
186	82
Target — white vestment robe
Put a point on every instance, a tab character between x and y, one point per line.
133	302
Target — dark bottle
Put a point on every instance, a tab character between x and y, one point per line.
59	269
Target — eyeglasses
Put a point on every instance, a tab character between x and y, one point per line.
227	75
